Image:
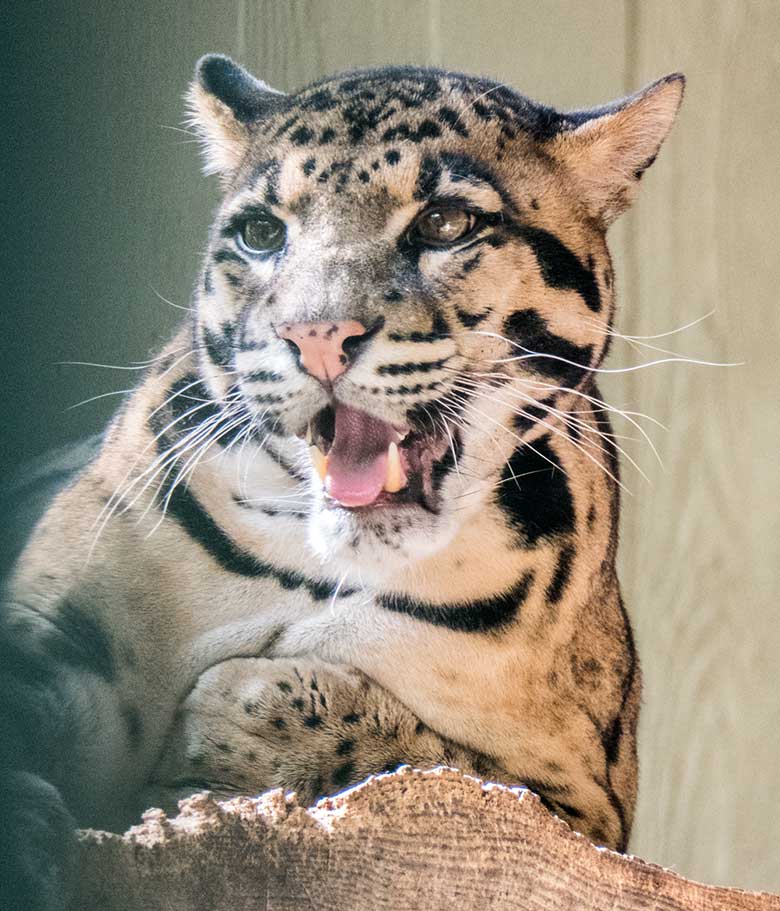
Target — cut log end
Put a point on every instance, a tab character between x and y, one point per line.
434	840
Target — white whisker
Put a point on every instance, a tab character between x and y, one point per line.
627	415
530	355
563	434
649	338
582	426
103	395
171	303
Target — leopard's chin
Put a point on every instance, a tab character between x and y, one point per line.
373	544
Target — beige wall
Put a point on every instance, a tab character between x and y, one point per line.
113	205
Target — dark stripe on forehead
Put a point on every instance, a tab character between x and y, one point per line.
543	351
269	170
426	130
427	178
481	616
460	169
302	136
463	168
451	118
534	494
322	100
560	268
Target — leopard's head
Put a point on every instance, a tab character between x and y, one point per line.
407	272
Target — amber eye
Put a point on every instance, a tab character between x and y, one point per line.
263	235
441	226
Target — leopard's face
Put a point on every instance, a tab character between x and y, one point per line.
402	282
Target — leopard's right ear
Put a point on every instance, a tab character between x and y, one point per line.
223	102
609	148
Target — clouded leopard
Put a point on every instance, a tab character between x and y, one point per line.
362	510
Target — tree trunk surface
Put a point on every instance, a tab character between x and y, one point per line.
434	841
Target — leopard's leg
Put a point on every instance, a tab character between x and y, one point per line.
304	725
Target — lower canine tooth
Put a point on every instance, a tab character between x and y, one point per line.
395	478
319	461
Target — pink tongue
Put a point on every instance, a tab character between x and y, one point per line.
357	460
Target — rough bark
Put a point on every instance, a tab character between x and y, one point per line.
437	841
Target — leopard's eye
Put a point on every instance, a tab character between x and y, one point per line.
264	234
441	226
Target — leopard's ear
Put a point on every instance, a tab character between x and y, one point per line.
609	148
223	103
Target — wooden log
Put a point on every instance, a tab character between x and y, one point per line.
437	841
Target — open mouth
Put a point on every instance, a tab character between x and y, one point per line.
366	462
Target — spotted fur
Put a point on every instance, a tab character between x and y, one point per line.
196	611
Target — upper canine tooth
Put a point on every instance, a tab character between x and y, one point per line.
395	479
309	435
320	461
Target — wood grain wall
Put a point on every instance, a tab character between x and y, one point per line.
107	205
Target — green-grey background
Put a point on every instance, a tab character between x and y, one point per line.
104	206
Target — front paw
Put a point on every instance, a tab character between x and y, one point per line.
252	724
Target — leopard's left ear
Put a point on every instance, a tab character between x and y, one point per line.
609	148
224	102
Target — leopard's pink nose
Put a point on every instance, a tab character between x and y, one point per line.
321	346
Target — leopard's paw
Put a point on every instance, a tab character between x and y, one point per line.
252	724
